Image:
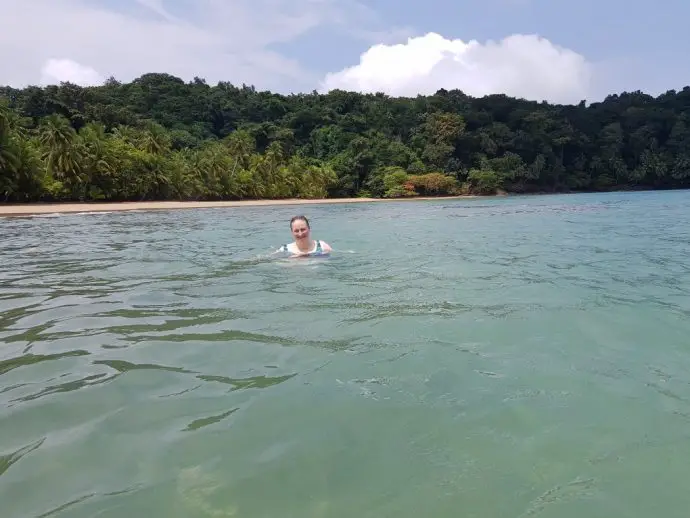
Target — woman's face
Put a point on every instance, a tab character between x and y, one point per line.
300	229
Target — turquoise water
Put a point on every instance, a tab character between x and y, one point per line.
507	357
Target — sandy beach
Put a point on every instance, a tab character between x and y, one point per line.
31	209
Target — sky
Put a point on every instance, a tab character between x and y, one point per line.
553	50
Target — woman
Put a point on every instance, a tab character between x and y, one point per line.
304	245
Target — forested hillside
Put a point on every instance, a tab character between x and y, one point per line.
161	138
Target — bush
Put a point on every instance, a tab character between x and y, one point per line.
483	181
434	184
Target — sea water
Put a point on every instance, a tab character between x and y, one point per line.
487	357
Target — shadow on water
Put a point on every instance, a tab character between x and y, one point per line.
67	387
31	359
6	461
122	367
207	421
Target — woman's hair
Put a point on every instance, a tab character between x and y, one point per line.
295	218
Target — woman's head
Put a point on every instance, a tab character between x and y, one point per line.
299	226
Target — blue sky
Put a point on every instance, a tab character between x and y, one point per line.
585	49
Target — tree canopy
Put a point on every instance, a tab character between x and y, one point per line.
159	137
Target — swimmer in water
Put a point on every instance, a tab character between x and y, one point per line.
304	245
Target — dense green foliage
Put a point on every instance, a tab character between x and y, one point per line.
161	138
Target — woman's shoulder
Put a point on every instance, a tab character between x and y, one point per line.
289	247
324	246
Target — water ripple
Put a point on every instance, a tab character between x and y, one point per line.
510	357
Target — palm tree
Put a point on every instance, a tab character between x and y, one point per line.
9	158
61	152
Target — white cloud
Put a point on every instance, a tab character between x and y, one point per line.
84	41
59	70
519	65
219	40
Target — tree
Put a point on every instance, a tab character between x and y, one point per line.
159	137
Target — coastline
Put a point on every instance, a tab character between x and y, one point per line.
37	208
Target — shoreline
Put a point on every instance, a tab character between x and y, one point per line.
38	208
